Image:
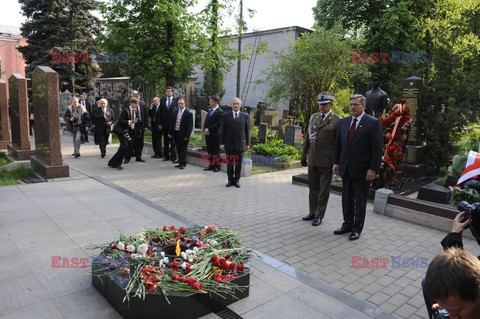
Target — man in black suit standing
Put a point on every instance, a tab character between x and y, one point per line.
181	128
156	131
126	121
211	129
83	101
356	158
138	133
235	136
167	105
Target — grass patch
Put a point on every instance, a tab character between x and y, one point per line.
261	169
197	140
3	159
10	177
115	139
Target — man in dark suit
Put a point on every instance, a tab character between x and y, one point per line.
235	136
317	154
181	128
211	129
357	158
156	131
137	134
167	106
83	101
126	121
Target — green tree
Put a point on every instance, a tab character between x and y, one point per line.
157	35
320	61
451	97
67	26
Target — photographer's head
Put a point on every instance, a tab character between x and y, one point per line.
453	280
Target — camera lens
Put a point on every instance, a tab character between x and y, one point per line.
464	206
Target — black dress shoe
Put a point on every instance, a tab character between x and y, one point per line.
354	236
117	166
229	184
182	167
215	169
154	156
103	155
237	185
178	165
208	168
140	160
166	159
316	222
309	217
342	230
77	155
126	161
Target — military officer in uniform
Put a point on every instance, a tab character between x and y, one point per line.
317	155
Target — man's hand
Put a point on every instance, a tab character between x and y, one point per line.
335	169
370	175
248	148
457	226
169	136
206	131
304	162
186	139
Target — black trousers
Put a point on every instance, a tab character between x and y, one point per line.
136	148
234	165
181	145
157	142
213	149
102	143
117	159
168	148
354	201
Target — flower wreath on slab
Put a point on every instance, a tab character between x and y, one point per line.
195	259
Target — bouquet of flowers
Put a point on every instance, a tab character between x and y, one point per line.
201	260
396	125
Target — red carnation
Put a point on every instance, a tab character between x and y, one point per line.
240	267
172	227
182	230
164	227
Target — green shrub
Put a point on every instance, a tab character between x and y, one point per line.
10	177
3	159
276	149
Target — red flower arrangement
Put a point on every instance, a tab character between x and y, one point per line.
396	125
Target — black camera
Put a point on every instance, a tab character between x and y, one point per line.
441	314
75	120
471	211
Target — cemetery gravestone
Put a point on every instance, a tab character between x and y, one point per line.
414	159
20	147
48	160
5	138
203	117
293	136
252	123
193	130
262	133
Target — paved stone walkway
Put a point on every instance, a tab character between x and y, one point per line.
267	209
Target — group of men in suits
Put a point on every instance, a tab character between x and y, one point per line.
351	148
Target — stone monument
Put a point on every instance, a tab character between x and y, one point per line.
203	117
262	133
20	147
414	158
48	161
376	98
252	125
293	135
5	138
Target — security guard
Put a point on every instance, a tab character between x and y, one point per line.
317	155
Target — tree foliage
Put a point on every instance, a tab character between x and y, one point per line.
157	35
320	61
448	32
67	26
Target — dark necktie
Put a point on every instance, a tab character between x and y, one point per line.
236	116
323	118
168	103
351	132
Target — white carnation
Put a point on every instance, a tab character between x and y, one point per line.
130	248
142	249
120	245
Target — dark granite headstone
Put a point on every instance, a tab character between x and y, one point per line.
434	193
414	158
292	135
48	160
20	147
262	133
5	138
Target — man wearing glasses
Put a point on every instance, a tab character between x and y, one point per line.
356	158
